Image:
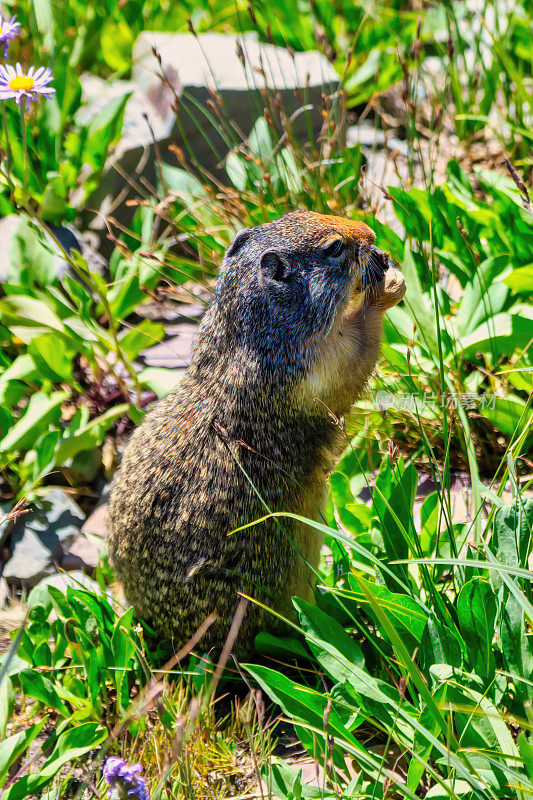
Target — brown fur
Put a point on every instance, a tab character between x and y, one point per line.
289	337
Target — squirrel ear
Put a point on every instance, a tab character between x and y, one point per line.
275	267
240	239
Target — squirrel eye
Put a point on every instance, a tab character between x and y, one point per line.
333	249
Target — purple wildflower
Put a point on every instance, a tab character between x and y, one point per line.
9	29
125	781
16	84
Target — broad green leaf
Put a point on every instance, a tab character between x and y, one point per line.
508	414
31	260
159	380
7	703
90	435
145	335
302	705
71	745
483	298
404	611
182	183
117	40
501	335
14	746
37	685
521	280
328	640
417	303
476	612
40	412
23	368
421	745
22	311
440	645
52	357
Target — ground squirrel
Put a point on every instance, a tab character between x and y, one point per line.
289	340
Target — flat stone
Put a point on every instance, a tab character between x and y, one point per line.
216	77
370	137
95	523
171	312
174	352
40	538
84	553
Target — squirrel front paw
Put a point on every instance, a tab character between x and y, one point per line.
388	291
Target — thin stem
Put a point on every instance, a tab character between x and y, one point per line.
6	134
25	146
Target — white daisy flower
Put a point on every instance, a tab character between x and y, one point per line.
9	29
15	84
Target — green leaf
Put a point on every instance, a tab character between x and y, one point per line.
117	40
40	412
89	435
20	312
71	745
483	298
140	338
476	612
416	301
36	685
14	746
7	703
501	335
52	357
159	380
104	130
45	18
124	297
511	538
421	746
521	280
303	705
404	611
30	259
328	640
23	368
393	499
44	449
508	414
279	646
440	645
525	747
183	184
123	650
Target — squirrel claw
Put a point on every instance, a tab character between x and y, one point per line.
389	291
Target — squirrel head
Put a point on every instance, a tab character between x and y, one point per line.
283	284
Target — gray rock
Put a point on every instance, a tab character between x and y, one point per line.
39	539
84	553
168	311
197	67
368	136
95	524
68	237
174	352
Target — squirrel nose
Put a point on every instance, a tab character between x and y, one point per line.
376	266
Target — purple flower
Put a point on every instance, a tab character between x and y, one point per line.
126	781
9	29
16	84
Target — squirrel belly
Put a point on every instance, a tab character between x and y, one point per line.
248	432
